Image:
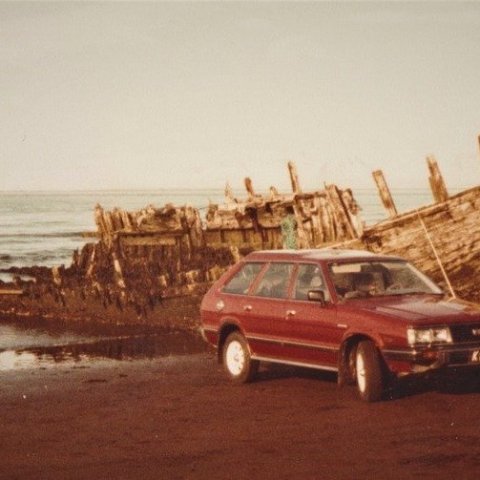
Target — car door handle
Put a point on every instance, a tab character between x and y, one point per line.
290	314
247	308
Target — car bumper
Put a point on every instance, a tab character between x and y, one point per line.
209	334
433	357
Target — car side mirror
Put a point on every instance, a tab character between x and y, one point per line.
317	296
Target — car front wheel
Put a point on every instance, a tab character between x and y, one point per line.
236	359
369	372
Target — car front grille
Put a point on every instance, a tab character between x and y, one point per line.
466	333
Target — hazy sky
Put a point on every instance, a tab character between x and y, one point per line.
160	95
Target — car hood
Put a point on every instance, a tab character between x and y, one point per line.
424	309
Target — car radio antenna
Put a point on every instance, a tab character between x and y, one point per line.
439	261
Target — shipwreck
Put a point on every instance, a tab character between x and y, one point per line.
152	266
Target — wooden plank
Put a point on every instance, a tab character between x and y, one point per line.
229	197
292	169
153	240
343	227
437	184
384	193
8	291
249	187
232	237
242	246
274	195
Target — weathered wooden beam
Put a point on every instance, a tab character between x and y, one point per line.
437	184
249	187
56	276
229	197
273	193
384	193
152	240
8	291
118	274
342	225
126	220
353	211
294	178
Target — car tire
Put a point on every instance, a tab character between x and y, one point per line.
369	372
237	360
349	371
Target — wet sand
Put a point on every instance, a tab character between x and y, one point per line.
178	418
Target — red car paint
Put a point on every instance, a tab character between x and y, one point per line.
320	334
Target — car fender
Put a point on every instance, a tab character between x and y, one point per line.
227	326
375	337
348	337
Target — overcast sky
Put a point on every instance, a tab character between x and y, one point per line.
165	95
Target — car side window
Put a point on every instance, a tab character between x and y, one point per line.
275	281
241	281
309	277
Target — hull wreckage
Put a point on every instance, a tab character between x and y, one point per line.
152	266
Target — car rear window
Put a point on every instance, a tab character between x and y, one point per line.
241	281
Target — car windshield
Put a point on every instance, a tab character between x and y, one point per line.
374	278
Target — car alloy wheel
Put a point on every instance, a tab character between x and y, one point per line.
236	359
360	371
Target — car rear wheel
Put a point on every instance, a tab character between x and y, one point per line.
236	359
369	372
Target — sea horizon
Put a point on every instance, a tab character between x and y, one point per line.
452	188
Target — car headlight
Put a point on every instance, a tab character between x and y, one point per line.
428	335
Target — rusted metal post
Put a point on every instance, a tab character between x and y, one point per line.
385	194
294	178
437	184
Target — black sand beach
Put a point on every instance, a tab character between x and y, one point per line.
178	417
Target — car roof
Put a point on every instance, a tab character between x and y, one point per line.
325	254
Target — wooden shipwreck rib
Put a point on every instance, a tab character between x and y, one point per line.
174	252
152	266
442	239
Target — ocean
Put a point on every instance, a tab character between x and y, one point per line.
44	228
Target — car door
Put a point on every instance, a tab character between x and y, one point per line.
309	329
235	304
263	308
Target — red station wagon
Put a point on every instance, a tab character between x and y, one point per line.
368	317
